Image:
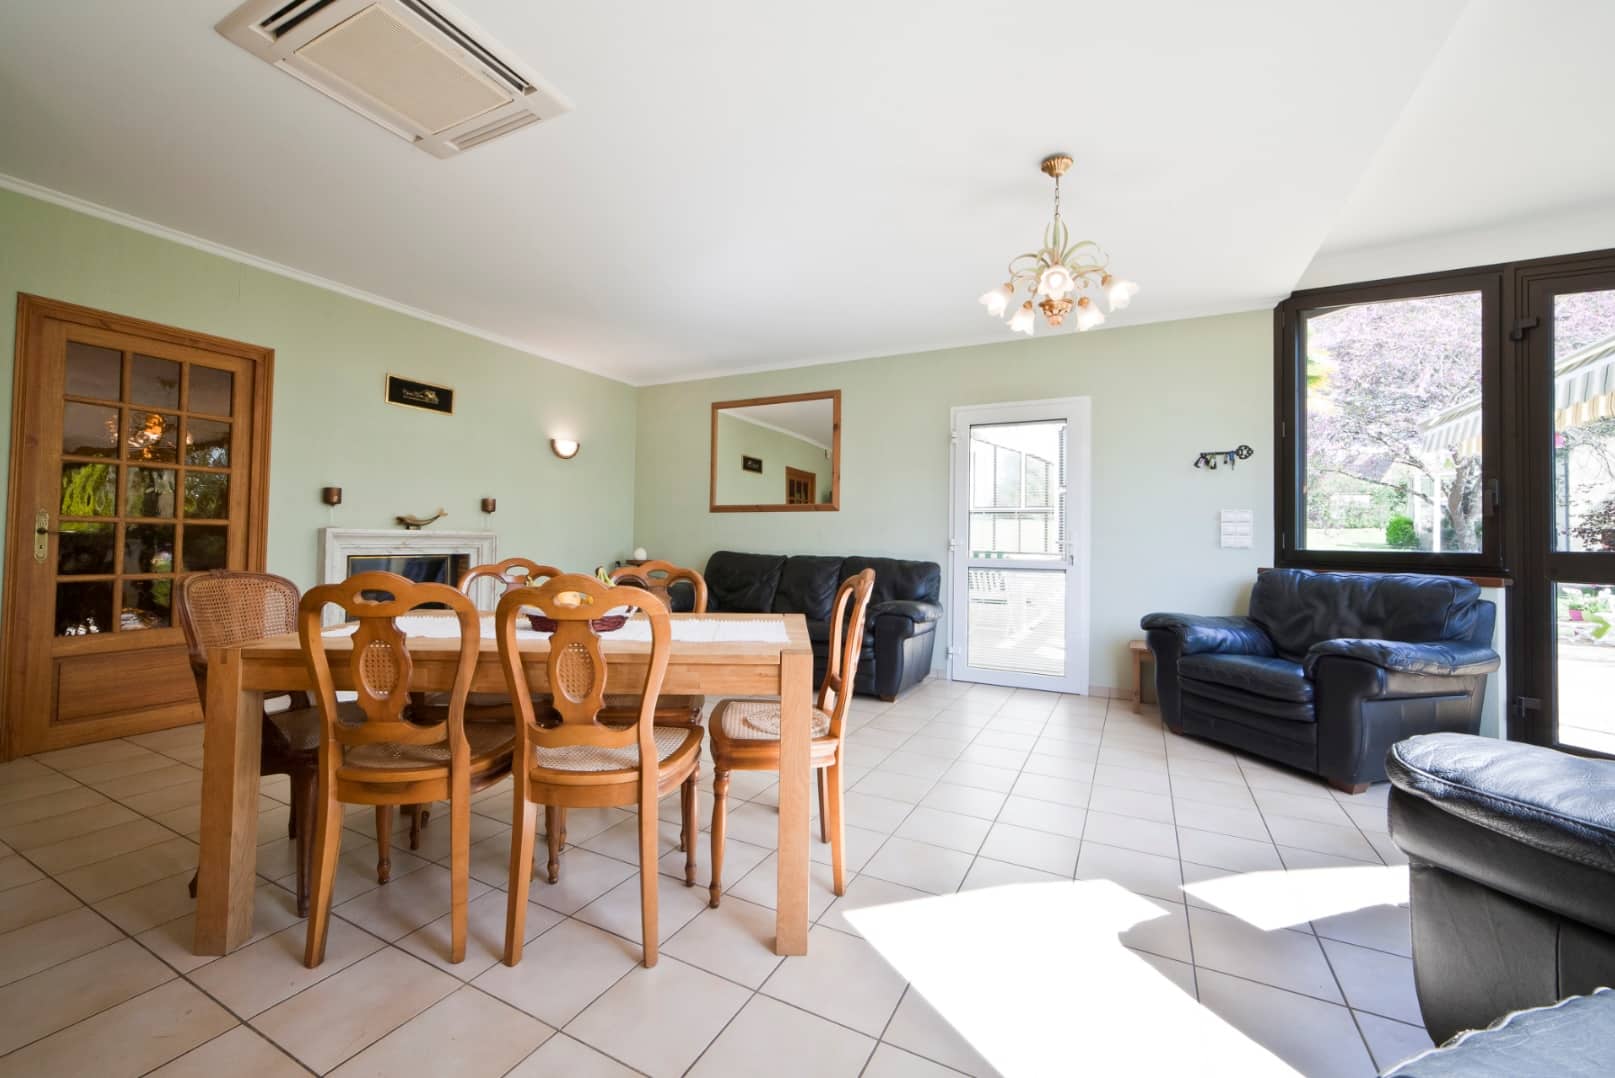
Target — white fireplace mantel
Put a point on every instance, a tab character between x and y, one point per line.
337	544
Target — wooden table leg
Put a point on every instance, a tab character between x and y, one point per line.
795	790
232	738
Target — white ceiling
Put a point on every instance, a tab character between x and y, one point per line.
744	186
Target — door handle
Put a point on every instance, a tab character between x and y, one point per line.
41	535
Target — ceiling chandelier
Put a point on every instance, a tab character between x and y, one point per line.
1053	275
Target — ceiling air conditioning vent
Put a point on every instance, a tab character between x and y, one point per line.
420	70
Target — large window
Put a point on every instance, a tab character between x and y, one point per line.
1384	420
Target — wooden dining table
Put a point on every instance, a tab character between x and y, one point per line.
240	677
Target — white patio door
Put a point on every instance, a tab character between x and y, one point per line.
1019	545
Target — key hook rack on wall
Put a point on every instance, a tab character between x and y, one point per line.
1230	457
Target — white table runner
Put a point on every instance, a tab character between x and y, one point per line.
685	630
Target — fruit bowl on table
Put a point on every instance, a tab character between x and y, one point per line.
606	623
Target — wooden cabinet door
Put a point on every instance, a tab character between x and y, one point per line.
139	454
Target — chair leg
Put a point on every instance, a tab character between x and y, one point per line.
291	818
305	793
418	815
824	815
648	877
552	836
459	865
560	815
690	832
193	882
384	842
327	841
838	837
720	799
525	820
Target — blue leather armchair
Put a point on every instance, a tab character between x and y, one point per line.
1329	669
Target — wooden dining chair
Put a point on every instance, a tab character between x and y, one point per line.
657	577
745	733
370	754
222	609
572	758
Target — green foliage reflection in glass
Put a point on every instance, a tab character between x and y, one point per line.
207	495
89	490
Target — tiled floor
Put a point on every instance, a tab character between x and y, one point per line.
954	787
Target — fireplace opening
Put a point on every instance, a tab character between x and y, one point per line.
421	568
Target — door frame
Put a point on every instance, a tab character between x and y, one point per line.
1076	562
32	314
1531	630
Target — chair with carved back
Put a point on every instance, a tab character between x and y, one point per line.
371	752
745	733
225	608
658	577
570	757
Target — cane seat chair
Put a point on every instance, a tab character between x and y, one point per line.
224	608
371	752
745	733
658	577
570	757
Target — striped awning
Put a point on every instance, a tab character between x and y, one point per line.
1583	390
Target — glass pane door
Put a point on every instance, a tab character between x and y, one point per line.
1582	559
1016	572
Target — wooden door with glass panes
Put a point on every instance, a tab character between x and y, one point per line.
139	454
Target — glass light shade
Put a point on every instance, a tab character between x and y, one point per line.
1119	293
565	448
1088	315
1056	282
997	300
1023	320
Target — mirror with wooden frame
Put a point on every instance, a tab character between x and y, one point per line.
777	454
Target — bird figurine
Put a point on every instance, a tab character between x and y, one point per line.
415	524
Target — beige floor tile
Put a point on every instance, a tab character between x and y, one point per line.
841	978
137	762
64	856
403	905
1033	849
1227	851
346	1013
159	778
1376	982
81	756
56	998
1282	958
356	869
1143	873
128	1039
1318	1039
915	864
618	910
659	1020
242	1052
34	787
760	885
274	909
256	977
892	1062
485	935
786	1042
166	798
561	1055
1132	833
1340	840
1392	1042
53	940
1384	928
114	875
16	870
59	828
950	830
585	876
562	971
918	1028
33	902
150	905
736	941
468	1034
70	799
1166	935
986	872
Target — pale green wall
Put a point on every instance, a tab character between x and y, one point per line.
776	449
1161	394
331	426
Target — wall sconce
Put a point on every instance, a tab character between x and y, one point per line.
489	505
331	495
565	448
